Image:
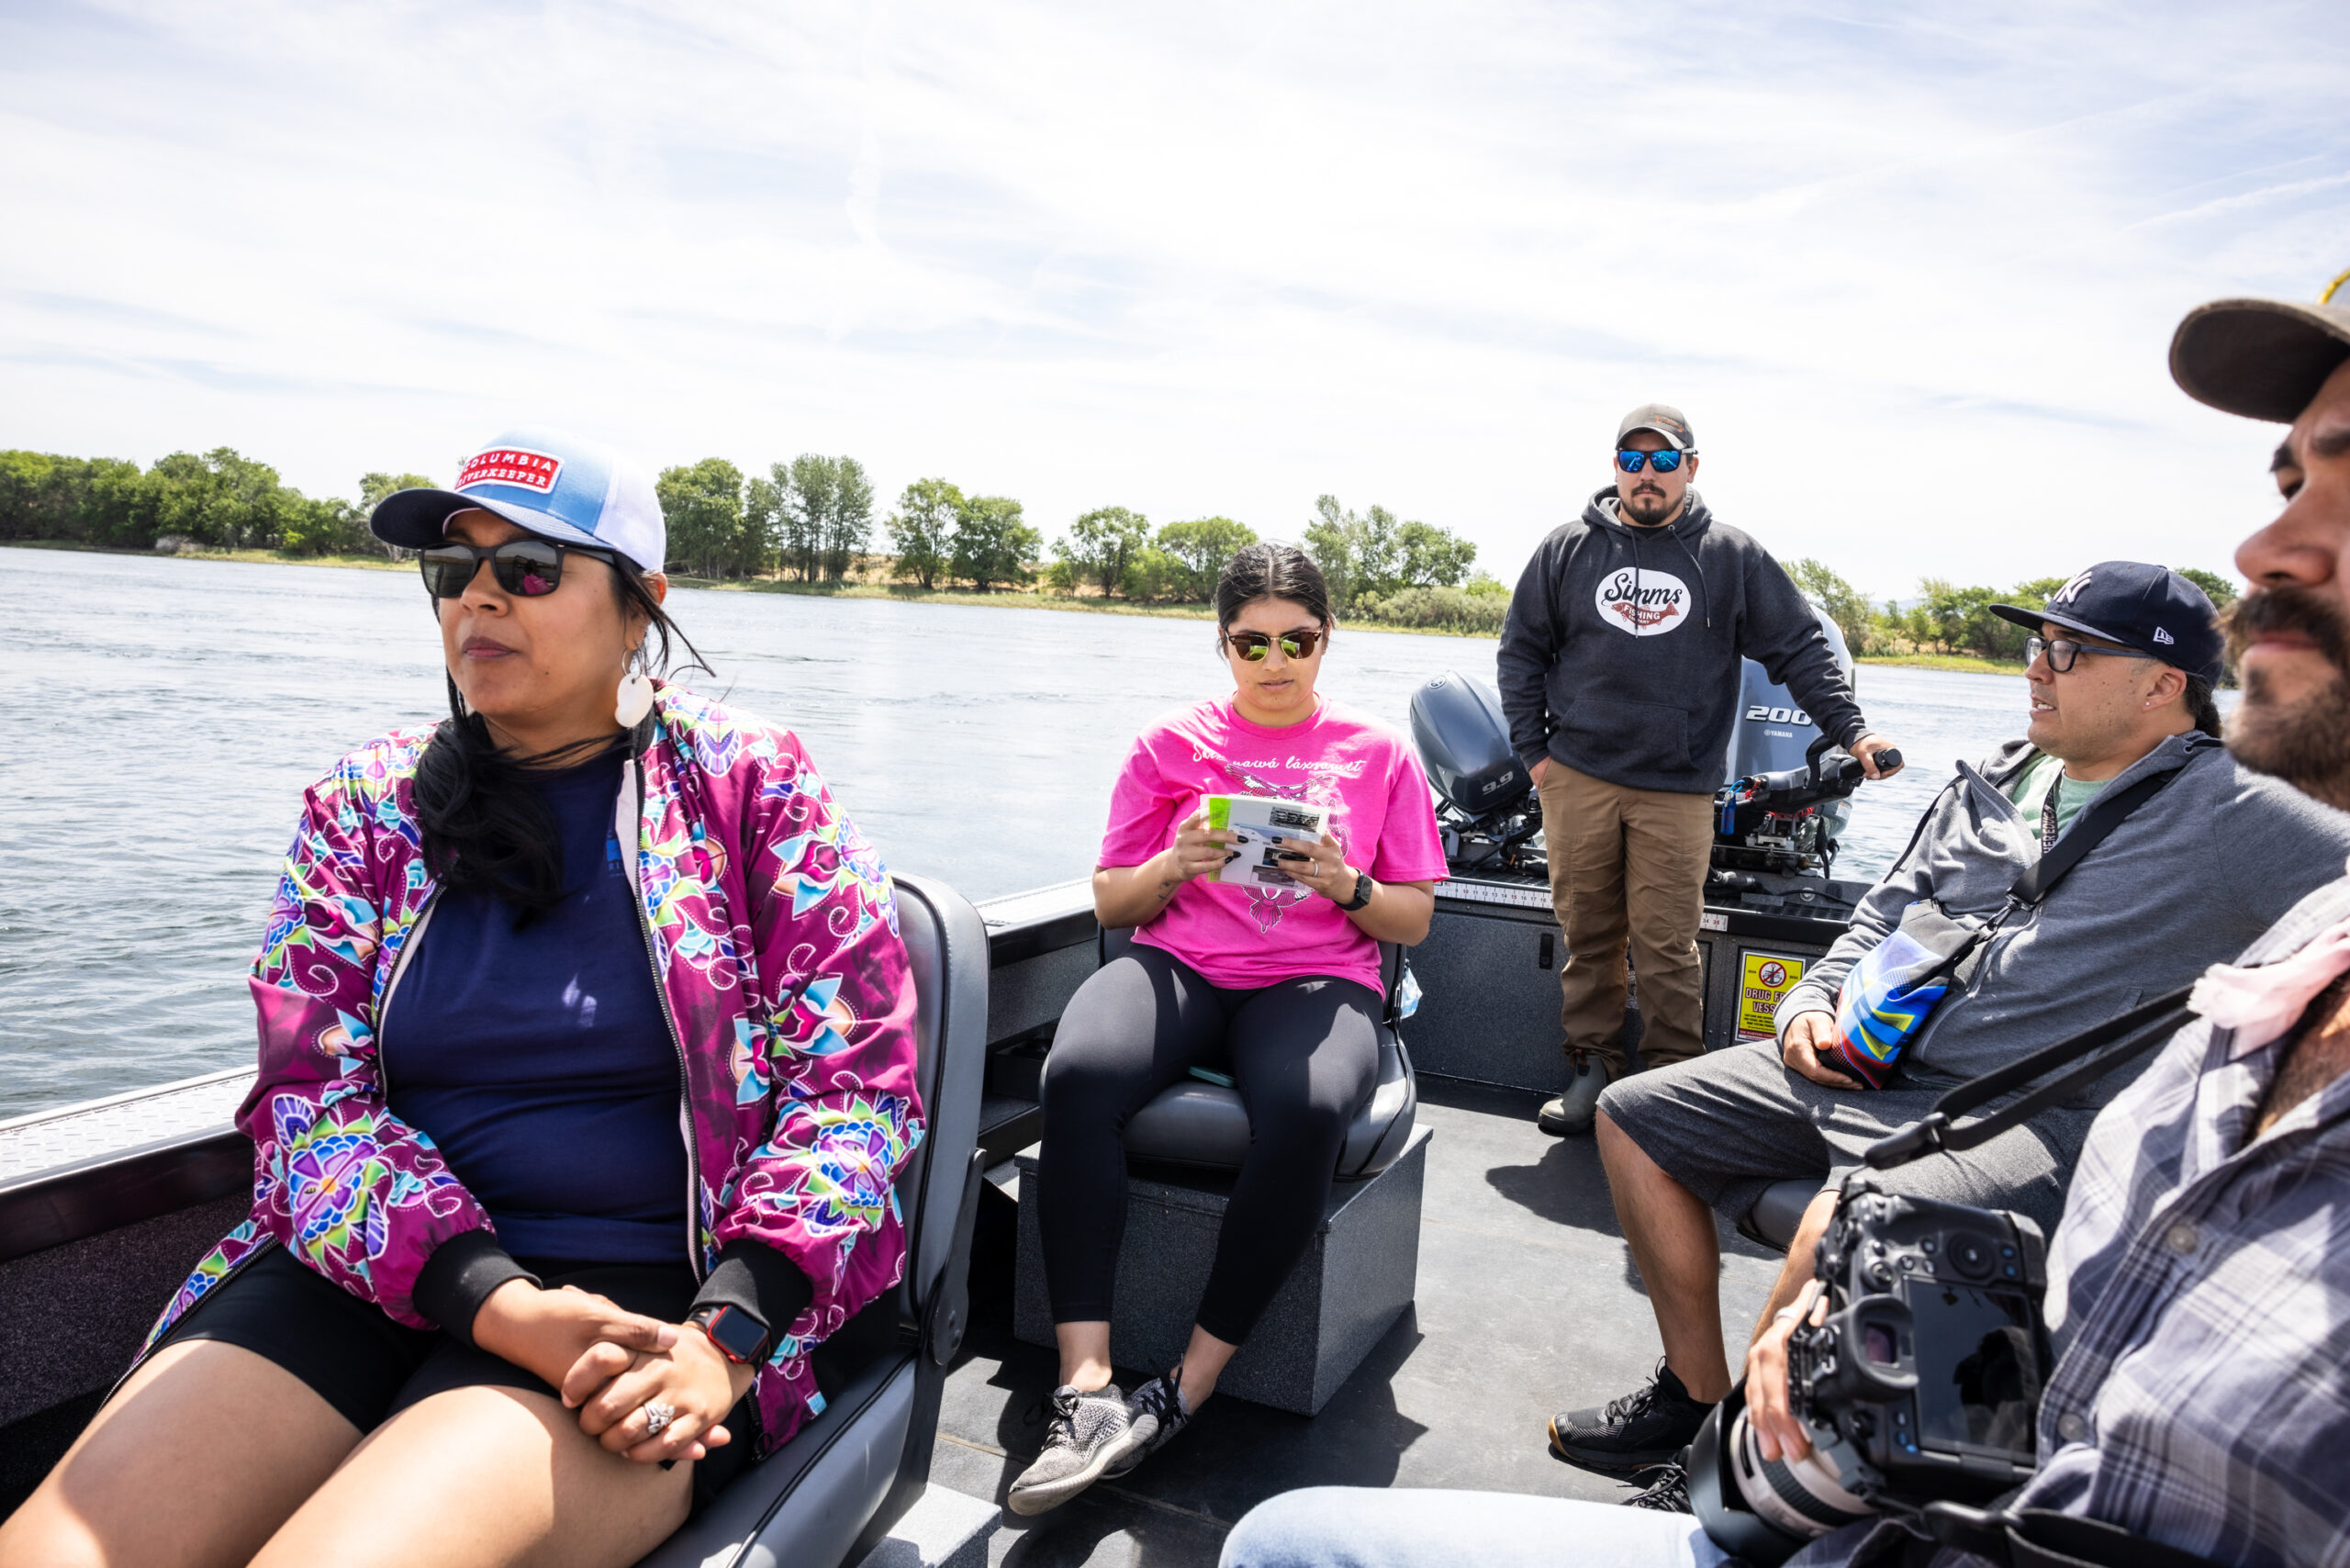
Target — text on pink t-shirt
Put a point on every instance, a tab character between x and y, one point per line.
1235	935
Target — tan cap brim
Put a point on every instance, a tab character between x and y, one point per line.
2262	358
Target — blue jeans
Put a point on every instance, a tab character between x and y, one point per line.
1352	1527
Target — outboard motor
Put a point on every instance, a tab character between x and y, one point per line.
1487	811
1786	799
1463	742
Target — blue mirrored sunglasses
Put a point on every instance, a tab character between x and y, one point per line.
1665	462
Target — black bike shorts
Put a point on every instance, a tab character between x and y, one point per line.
351	1354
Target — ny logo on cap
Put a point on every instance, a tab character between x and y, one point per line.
2066	595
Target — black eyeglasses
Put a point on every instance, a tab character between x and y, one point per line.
2063	651
1664	462
1253	645
528	569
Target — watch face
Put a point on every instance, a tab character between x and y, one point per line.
736	1334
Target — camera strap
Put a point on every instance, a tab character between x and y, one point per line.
2135	1030
2141	1027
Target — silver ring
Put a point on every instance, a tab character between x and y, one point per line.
658	1414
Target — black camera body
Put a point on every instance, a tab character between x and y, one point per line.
1934	1355
1922	1385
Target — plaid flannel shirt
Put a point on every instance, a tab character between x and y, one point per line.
2199	1300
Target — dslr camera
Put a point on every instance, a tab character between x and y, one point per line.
1921	1386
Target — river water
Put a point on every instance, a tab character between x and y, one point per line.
170	712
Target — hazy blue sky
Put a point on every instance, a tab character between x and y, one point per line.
1911	270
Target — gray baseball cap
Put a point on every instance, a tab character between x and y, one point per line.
1661	418
2262	358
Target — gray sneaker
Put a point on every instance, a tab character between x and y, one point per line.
1089	1431
1572	1113
1159	1412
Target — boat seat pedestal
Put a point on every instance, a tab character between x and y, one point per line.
1779	1211
1357	1277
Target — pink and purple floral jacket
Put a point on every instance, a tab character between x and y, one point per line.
775	938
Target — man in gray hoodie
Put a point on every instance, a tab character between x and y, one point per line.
2122	666
1619	677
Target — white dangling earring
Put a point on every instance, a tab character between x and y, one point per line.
635	696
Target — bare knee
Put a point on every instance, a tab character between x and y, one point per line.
44	1533
1624	1160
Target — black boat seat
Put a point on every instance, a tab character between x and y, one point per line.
844	1478
1206	1126
1779	1211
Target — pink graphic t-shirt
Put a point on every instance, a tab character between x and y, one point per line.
1236	936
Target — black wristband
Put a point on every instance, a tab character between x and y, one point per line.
1363	888
759	1282
458	1277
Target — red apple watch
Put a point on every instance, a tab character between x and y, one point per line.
740	1338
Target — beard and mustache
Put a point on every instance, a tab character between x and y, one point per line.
1647	505
2306	743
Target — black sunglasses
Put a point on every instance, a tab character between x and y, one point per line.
528	569
1253	645
1629	460
2063	651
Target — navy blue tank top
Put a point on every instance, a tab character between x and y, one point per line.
539	1061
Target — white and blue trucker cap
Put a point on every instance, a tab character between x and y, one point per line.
556	485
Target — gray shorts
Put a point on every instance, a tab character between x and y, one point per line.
1734	1122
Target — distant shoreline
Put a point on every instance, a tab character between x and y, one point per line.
1957	664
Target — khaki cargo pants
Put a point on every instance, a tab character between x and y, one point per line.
1628	866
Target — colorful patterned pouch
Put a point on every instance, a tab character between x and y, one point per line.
1890	992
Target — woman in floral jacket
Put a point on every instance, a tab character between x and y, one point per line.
585	1068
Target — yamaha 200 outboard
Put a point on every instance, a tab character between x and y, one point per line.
1787	800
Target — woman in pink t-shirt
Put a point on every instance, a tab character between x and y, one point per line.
1279	986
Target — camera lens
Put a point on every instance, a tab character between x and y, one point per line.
1971	1257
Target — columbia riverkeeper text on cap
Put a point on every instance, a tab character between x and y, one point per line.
2150	608
1661	418
554	485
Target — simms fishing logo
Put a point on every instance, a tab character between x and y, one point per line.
1645	603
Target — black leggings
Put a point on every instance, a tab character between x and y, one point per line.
1305	1055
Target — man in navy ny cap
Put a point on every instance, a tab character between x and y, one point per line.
2123	660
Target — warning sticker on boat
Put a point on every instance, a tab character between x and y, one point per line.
1763	981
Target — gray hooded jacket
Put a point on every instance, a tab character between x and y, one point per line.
2188	879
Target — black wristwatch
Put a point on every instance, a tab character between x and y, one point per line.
1363	885
740	1338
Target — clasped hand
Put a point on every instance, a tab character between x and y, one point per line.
607	1364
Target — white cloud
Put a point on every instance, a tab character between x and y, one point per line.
1911	270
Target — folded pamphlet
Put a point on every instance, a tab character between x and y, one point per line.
1263	825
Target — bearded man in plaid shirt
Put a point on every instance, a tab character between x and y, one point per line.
2198	1289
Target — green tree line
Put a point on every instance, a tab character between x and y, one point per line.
1946	618
220	500
812	520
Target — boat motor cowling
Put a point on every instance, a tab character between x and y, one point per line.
1463	742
